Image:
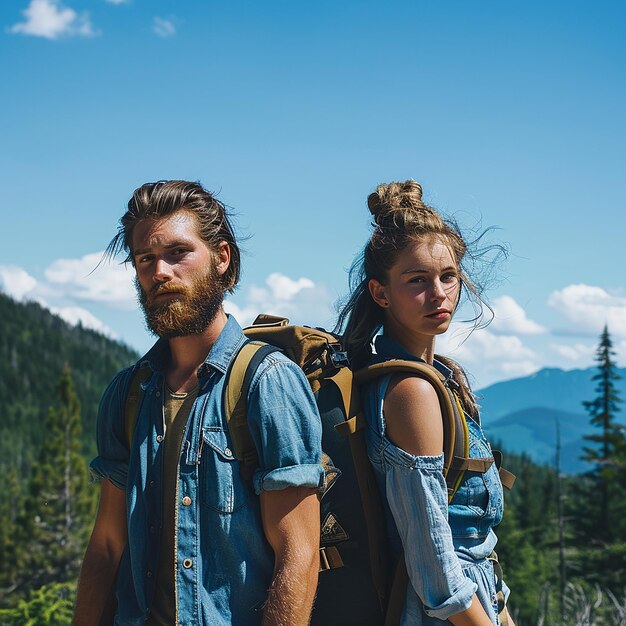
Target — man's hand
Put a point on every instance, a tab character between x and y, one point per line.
291	521
96	585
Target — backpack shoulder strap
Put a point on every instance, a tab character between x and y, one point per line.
455	432
133	399
240	374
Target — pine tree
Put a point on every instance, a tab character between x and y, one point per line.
11	550
610	441
60	503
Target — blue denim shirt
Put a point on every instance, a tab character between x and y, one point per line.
445	546
224	564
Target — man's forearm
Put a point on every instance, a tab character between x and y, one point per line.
95	599
291	595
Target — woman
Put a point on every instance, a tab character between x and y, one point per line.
410	280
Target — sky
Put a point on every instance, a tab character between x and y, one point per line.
510	115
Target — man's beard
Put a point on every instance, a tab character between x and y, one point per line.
188	313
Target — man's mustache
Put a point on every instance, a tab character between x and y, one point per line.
168	287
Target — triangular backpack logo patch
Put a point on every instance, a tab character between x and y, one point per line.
332	531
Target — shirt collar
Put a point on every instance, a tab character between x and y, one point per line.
219	358
387	348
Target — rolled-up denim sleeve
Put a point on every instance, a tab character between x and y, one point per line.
112	460
417	495
285	426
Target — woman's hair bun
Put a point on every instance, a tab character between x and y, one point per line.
391	197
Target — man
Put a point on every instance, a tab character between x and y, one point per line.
180	537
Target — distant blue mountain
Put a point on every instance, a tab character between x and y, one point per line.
521	414
551	388
533	431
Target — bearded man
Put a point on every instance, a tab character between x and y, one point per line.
180	537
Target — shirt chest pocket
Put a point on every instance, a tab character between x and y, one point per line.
221	487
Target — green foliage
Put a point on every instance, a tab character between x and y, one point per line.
51	605
526	537
47	507
59	506
606	454
34	347
46	504
11	552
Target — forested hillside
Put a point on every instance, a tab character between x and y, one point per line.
561	542
34	348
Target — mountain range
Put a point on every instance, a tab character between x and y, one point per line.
522	414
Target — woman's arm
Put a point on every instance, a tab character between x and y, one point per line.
415	425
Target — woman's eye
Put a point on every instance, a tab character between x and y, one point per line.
449	277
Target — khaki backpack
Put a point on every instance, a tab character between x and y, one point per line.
357	582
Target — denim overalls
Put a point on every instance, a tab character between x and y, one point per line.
445	546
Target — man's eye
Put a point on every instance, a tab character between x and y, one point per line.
179	251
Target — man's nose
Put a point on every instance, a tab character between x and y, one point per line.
162	271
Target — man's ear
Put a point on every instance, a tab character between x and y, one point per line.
377	291
223	258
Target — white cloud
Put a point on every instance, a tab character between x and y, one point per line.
75	315
16	282
89	279
163	27
488	357
577	352
20	285
510	318
50	19
301	300
590	308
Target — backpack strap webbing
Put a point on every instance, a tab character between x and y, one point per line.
506	478
242	369
354	429
133	399
397	594
455	433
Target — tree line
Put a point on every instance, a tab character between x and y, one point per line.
562	542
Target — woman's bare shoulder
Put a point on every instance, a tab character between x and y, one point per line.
413	416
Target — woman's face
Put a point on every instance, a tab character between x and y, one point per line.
422	289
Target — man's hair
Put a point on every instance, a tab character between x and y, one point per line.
154	201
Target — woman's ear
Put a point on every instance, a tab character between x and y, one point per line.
377	291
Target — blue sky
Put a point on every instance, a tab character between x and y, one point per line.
509	114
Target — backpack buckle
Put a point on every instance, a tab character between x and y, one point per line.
338	357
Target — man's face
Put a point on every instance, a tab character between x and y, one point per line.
178	278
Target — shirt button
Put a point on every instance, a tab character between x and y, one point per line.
187	563
149	574
186	500
228	452
151	483
152	529
159	438
158	394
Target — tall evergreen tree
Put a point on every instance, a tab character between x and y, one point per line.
11	550
60	504
610	440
